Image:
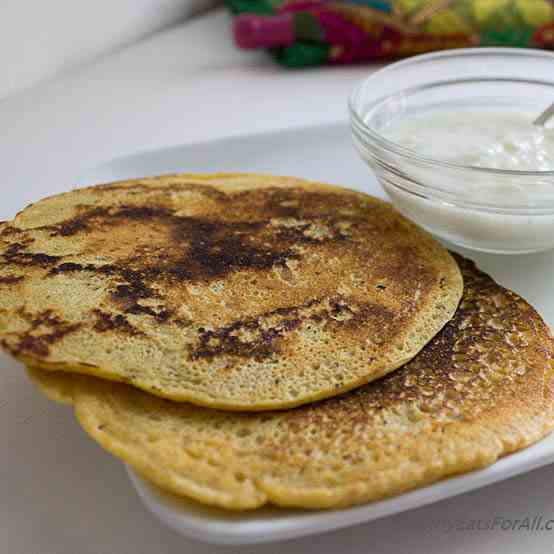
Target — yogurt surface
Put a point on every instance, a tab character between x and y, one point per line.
496	138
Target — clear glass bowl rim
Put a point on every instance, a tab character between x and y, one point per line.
411	155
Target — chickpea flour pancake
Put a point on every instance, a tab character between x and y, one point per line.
240	292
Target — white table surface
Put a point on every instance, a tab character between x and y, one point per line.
185	85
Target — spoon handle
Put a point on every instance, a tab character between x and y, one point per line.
545	116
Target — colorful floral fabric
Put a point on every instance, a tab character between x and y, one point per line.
309	32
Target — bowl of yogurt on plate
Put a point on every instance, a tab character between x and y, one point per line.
450	137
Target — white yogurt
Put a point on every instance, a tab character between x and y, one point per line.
490	138
477	209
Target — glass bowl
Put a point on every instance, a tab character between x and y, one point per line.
492	210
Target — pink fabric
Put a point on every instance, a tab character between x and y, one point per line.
255	31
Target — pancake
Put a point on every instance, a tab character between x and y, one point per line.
482	388
238	292
56	386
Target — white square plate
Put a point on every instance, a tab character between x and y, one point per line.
322	153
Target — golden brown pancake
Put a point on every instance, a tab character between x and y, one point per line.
482	388
56	386
231	291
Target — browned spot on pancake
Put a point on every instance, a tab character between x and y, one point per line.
127	294
259	337
225	342
182	322
15	254
11	279
135	288
217	249
199	249
45	329
357	314
202	249
210	249
8	230
111	322
70	267
82	222
250	338
276	202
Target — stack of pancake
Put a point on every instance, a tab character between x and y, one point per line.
243	339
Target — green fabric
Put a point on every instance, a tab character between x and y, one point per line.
260	7
307	28
302	54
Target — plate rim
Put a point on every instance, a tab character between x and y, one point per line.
85	177
232	532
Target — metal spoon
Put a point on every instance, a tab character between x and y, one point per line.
545	116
